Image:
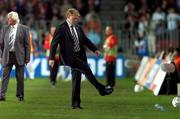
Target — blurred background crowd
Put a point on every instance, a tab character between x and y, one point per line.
154	24
41	15
143	27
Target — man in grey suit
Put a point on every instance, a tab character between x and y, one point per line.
14	50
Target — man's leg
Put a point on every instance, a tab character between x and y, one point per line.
76	85
110	73
6	70
53	72
108	76
84	68
20	81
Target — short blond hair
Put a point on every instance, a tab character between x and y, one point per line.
72	11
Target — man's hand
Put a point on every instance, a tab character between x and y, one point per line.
51	63
97	52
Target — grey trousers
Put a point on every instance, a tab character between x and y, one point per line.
19	72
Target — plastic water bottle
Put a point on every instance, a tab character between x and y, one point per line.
159	107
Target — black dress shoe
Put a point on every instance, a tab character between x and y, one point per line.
77	107
21	98
2	99
53	83
107	90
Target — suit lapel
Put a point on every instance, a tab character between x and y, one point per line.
7	34
69	32
78	32
80	37
17	32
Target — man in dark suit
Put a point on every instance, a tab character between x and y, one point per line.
72	41
14	50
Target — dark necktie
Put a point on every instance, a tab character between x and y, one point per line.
76	41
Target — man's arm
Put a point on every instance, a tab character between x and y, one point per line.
1	44
27	45
54	44
90	45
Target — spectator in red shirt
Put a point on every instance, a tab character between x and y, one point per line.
110	53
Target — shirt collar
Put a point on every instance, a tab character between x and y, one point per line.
68	22
14	26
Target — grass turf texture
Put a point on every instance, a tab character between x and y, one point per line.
42	101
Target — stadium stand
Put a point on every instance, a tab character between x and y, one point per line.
134	21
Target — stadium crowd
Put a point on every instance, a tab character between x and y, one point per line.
154	24
41	15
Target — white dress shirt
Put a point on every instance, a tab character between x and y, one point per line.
13	31
75	36
69	24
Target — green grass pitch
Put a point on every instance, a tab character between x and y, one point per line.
42	101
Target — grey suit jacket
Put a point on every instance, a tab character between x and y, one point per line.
21	45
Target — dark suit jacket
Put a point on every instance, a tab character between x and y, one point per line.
65	40
21	45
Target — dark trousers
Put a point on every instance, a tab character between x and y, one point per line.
110	73
19	71
76	85
79	66
54	71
